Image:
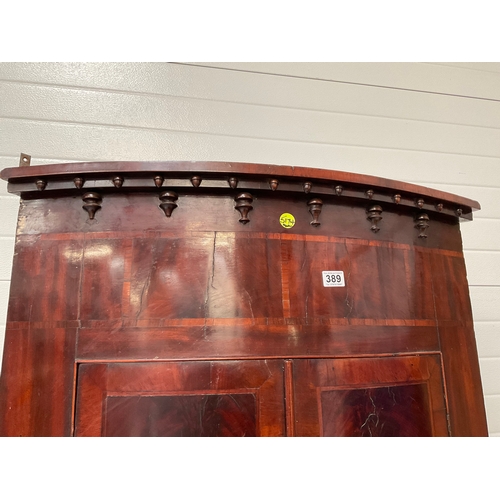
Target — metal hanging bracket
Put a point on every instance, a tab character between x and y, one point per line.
24	160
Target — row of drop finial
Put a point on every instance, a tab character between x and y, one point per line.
196	181
244	204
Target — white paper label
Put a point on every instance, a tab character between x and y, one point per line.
333	278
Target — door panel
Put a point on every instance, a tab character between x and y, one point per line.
194	398
396	410
365	397
232	414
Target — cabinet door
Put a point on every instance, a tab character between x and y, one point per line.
193	398
400	396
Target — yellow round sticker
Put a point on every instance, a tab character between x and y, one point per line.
287	220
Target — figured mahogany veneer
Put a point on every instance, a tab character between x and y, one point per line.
171	299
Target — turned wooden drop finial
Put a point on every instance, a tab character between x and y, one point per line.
307	187
41	184
79	182
158	180
196	181
420	203
439	207
369	193
422	224
374	216
338	190
117	181
168	199
274	183
315	206
244	205
396	198
233	182
91	203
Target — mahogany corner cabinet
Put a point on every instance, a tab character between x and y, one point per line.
236	299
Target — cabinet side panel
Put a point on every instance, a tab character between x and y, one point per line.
37	382
458	345
451	291
463	381
46	279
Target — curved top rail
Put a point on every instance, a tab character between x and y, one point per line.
23	179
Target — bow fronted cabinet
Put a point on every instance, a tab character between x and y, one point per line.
231	299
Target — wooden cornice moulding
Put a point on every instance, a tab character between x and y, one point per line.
65	178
